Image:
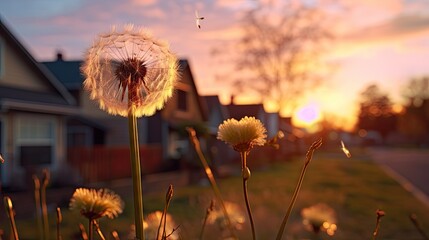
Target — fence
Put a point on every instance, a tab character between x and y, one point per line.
105	163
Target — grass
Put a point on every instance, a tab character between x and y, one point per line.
355	188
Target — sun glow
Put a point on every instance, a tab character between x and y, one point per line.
307	116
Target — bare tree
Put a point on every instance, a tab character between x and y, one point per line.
417	90
279	56
376	111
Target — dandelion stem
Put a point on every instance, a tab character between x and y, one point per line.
413	218
45	182
212	180
98	229
38	206
83	232
59	221
380	214
90	229
136	173
309	156
115	235
246	175
163	222
11	215
209	210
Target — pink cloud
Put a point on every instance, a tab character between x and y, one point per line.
144	2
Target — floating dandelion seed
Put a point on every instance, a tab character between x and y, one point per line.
129	68
345	150
198	19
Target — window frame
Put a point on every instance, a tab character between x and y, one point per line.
29	141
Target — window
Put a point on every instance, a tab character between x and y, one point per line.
182	100
35	140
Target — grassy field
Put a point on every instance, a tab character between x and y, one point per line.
355	188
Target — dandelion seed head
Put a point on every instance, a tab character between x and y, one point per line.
95	204
129	68
235	213
320	217
244	134
151	224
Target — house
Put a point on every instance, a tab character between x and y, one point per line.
100	137
270	120
33	111
217	151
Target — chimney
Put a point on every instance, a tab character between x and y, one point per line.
59	55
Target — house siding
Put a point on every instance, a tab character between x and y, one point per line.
12	168
17	73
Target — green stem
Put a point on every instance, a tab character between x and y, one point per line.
11	215
39	219
292	203
90	229
59	220
136	173
246	175
209	210
309	156
211	178
43	204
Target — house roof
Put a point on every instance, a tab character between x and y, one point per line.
243	110
68	72
212	102
12	97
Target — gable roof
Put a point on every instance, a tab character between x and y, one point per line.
213	102
68	72
184	66
14	97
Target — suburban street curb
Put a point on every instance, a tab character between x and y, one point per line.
407	185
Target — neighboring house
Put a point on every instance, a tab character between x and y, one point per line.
87	128
217	113
33	111
185	108
270	120
162	133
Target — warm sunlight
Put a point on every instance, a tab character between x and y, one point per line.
307	116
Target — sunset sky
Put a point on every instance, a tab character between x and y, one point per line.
380	41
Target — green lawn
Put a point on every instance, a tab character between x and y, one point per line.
355	188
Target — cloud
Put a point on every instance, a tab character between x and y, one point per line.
144	2
395	32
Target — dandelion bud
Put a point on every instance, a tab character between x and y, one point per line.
246	173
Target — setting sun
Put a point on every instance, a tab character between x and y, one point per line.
307	115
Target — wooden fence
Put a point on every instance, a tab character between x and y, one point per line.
105	163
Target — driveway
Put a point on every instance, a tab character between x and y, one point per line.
409	167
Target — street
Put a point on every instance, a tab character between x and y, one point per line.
409	167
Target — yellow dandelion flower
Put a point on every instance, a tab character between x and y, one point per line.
94	204
244	134
129	68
